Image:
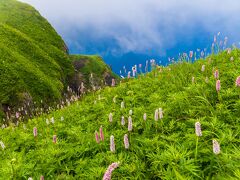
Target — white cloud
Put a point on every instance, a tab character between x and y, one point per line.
138	25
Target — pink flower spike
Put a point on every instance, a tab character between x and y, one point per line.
193	79
110	117
198	130
129	74
191	54
216	74
144	116
54	139
2	145
130	124
126	142
110	169
101	133
122	121
156	115
42	178
218	86
112	144
238	81
17	115
35	132
97	137
160	113
113	82
216	147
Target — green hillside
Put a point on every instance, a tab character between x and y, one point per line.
34	61
85	65
163	149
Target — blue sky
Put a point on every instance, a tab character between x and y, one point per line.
128	32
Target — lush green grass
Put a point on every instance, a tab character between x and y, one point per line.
34	60
94	65
163	149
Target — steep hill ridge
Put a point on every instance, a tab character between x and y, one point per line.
35	65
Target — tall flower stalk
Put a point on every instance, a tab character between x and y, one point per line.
112	144
130	124
97	137
198	132
110	169
216	147
218	86
126	141
35	132
101	133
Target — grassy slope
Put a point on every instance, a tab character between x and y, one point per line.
33	58
92	64
158	150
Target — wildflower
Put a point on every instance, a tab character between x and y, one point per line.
47	121
130	123
215	39
122	121
193	79
30	178
62	118
216	147
231	59
216	74
110	117
2	145
203	68
130	112
54	139
133	72
198	130
206	80
122	105
110	169
17	115
52	120
238	81
129	74
113	82
160	113
35	132
228	50
42	177
101	133
112	144
191	54
156	115
97	137
114	99
126	142
144	116
218	85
